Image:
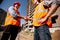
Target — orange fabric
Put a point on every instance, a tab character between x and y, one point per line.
40	12
14	22
49	23
10	20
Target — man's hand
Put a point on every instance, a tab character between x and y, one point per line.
42	20
27	18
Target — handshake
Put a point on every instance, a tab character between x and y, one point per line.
27	18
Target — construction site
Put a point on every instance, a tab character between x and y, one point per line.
27	33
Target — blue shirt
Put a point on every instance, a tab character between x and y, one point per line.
12	12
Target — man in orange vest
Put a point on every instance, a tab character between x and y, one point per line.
42	19
12	22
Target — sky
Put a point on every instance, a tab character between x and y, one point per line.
7	3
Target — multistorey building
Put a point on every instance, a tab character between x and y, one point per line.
30	10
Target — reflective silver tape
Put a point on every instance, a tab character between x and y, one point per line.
36	18
46	10
9	19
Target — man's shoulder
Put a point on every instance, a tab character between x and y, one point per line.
11	7
41	2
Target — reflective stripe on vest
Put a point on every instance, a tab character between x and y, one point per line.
10	20
39	13
40	10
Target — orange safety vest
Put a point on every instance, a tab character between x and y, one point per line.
40	12
10	20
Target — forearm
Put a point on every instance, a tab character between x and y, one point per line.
51	10
23	17
29	18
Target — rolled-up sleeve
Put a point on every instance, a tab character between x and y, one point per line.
51	2
12	12
54	2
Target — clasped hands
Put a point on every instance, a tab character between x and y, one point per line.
26	18
42	20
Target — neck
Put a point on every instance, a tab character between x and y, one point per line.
15	10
